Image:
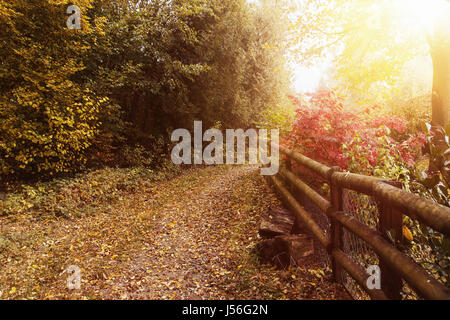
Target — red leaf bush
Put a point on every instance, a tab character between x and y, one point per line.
323	130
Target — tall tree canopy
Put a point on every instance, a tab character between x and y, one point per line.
135	71
47	115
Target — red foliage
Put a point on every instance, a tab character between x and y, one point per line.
409	148
393	123
322	128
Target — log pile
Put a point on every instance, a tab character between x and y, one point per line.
283	243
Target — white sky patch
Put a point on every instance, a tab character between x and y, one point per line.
306	79
303	79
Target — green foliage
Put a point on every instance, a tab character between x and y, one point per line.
145	62
278	117
244	49
170	63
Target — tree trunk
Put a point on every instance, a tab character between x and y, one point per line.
440	53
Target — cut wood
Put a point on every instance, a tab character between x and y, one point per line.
277	221
285	251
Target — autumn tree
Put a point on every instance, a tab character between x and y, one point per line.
47	116
135	71
370	42
168	63
440	53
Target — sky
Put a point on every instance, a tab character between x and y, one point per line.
304	78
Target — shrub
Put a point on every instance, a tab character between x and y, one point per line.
323	130
382	147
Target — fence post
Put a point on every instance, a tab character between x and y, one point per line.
335	226
288	165
390	226
297	228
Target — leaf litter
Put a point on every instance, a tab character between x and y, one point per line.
189	237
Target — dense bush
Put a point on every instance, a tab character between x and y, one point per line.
429	247
133	73
325	131
47	118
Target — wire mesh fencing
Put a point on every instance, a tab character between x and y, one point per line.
365	209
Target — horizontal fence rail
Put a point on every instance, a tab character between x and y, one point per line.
394	202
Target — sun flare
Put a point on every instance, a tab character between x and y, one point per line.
306	79
423	13
411	19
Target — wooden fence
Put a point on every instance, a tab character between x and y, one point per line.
396	267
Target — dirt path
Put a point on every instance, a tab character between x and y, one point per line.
191	237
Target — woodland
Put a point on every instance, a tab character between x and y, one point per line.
86	118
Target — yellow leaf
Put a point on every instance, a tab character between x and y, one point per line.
407	233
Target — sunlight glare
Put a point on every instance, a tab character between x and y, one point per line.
424	12
306	79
